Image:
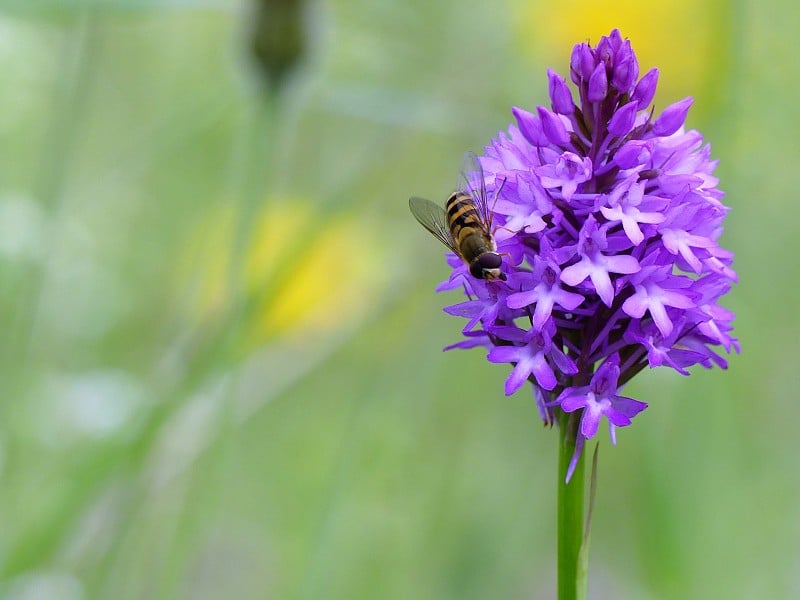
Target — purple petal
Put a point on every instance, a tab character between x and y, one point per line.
626	70
622	263
544	308
636	305
465	309
575	274
646	88
581	63
567	299
522	299
591	419
573	462
553	127
563	362
632	230
471	342
598	84
672	118
622	121
518	377
573	403
602	285
544	373
560	95
674	184
530	126
652	218
660	317
544	411
568	189
676	299
633	154
617	419
504	354
605	379
628	406
512	334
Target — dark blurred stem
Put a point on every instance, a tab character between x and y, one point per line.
276	44
571	576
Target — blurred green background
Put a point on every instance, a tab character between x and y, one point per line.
222	373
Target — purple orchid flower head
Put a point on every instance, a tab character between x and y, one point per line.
608	216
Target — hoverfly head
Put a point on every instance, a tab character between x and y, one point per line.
487	266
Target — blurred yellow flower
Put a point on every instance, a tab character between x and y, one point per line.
333	280
300	273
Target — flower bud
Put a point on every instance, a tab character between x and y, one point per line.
581	63
672	118
634	153
598	84
626	70
278	38
530	126
560	96
553	127
622	122
646	88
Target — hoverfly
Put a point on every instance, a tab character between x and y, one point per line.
465	223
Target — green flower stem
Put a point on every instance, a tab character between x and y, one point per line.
571	574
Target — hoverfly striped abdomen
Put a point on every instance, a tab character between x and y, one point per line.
467	228
465	224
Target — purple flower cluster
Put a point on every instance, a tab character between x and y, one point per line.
607	218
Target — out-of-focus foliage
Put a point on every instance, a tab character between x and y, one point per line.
221	365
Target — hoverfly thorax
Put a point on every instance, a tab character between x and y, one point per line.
465	223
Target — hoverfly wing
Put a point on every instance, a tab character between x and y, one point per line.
431	216
471	180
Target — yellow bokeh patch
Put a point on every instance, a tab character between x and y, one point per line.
300	272
332	282
276	230
681	38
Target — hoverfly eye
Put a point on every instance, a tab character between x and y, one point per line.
485	262
490	260
476	269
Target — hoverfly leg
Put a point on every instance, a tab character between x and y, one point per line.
497	192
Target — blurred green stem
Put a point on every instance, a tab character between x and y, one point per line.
73	79
253	167
571	574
